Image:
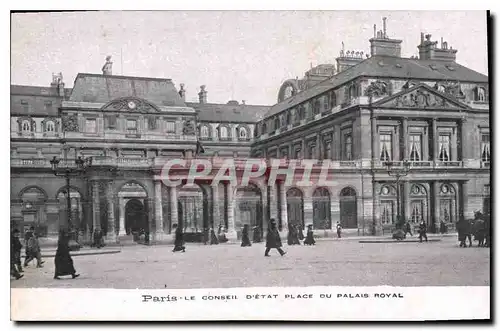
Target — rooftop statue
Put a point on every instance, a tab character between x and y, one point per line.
107	68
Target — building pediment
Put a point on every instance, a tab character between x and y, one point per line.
421	97
131	104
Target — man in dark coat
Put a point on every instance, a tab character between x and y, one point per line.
422	229
408	229
310	236
63	261
179	240
273	239
300	232
257	235
290	235
206	236
33	251
214	240
245	239
15	255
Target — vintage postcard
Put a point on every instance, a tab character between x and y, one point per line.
244	165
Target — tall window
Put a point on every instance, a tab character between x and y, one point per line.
243	133
276	123
327	150
348	147
312	151
131	125
326	102
444	147
223	133
170	127
50	127
333	99
26	126
485	147
90	125
298	153
416	211
385	146
316	107
302	112
204	132
387	211
415	147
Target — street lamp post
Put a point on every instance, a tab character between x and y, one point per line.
398	173
67	171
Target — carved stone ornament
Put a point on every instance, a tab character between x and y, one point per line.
454	89
377	89
188	128
70	123
131	104
421	98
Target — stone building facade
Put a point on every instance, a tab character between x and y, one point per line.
430	111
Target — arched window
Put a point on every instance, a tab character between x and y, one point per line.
302	112
223	132
26	127
321	209
243	133
50	127
204	132
276	123
264	128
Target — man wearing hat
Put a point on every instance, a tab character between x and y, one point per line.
273	239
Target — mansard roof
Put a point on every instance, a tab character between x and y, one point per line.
241	113
387	67
35	100
105	88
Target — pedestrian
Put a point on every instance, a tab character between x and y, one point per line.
34	251
17	246
487	230
339	230
179	240
15	253
300	231
309	236
222	234
245	239
479	229
468	231
273	239
290	235
422	230
63	261
295	239
257	234
27	235
408	228
442	228
206	236
213	238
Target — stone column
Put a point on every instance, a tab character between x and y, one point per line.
435	141
435	199
96	210
231	231
283	207
374	135
406	200
111	235
273	202
158	207
173	206
404	138
377	225
464	204
122	231
216	206
337	143
463	139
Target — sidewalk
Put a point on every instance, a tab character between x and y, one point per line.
83	251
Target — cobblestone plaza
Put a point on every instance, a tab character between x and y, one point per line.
344	262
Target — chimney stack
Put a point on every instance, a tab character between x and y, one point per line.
182	92
202	96
428	50
57	82
385	27
384	46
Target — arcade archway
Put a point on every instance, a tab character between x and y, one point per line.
348	208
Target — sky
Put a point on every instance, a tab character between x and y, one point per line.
238	55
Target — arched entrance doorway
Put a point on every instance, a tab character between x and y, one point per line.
248	207
321	209
192	209
295	207
33	210
348	208
136	218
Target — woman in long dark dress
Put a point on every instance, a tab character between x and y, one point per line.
290	235
310	236
301	233
273	239
63	260
179	240
245	239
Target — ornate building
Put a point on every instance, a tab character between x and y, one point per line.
430	111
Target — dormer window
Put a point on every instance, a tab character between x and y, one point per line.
204	133
26	126
243	133
50	127
276	123
223	132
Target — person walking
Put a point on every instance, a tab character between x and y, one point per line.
310	236
245	239
295	238
290	235
63	261
15	255
339	230
214	240
300	232
179	240
422	231
273	239
34	251
257	235
408	228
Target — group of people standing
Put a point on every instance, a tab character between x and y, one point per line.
63	261
479	227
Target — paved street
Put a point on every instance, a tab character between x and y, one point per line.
329	263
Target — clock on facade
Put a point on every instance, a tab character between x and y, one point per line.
131	105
